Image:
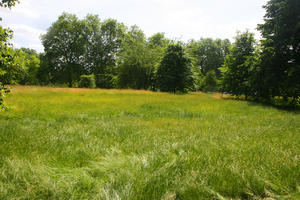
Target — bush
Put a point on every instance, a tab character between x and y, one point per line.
3	90
105	81
210	82
87	81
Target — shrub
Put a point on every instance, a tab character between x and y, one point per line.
87	81
210	82
105	81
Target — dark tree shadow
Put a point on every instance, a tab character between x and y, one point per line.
285	107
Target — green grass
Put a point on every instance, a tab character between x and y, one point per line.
113	144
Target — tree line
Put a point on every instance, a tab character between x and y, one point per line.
116	56
267	70
91	52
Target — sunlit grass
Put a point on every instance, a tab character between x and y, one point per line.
60	143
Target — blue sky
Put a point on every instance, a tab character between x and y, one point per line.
178	19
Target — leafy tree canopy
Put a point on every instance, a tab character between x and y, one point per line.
235	70
64	45
210	54
6	55
135	61
280	58
8	3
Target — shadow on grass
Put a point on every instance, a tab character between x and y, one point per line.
285	107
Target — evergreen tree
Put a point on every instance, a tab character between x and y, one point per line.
175	71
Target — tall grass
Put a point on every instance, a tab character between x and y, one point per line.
113	144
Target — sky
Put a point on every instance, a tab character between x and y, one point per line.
178	19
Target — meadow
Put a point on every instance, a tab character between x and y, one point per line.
61	143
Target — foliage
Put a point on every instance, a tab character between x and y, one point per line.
64	45
3	91
87	81
210	83
32	67
94	50
121	57
175	71
136	67
210	54
43	74
103	43
106	80
236	69
125	58
158	40
24	71
6	60
6	55
11	69
272	70
280	57
8	3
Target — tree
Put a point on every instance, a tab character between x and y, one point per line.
15	71
103	44
31	64
8	3
236	69
210	82
158	40
75	47
280	57
43	74
22	69
87	81
136	68
175	71
156	47
29	51
210	54
64	45
6	56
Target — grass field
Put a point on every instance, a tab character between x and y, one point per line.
113	144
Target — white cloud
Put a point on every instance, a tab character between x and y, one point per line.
26	32
24	9
180	19
38	47
230	29
26	36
